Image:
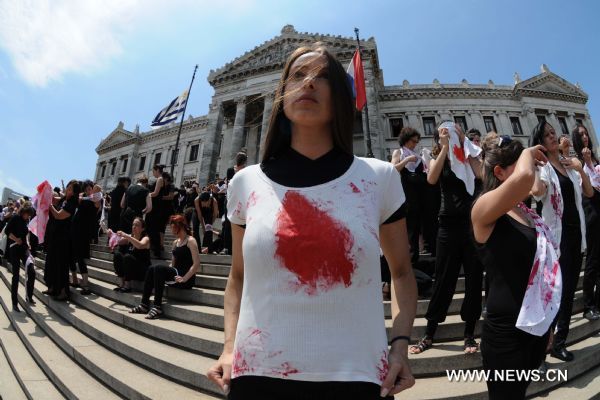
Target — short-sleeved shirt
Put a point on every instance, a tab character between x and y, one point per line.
18	227
136	197
311	305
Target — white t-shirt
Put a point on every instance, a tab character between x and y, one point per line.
311	305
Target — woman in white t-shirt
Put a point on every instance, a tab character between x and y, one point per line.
307	224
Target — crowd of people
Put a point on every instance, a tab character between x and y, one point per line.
309	227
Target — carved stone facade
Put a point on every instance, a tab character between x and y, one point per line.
241	106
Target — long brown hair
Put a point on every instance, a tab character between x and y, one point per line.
279	132
501	151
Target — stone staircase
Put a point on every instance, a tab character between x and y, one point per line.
92	348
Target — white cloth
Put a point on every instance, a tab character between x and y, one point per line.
552	202
593	174
406	152
459	157
426	156
542	296
311	305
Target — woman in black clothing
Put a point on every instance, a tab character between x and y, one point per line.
560	187
18	249
59	254
135	203
591	207
154	217
132	258
207	209
182	270
167	208
506	242
84	217
414	182
454	247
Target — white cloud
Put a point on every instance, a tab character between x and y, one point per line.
46	39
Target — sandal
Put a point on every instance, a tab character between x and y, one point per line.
470	343
154	313
141	309
425	343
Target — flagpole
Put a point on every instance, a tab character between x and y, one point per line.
176	150
366	114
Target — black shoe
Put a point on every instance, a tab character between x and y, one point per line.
562	354
16	308
85	291
31	301
591	315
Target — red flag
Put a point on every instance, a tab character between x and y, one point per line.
357	75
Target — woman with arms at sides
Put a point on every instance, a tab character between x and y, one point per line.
582	145
59	255
208	211
511	239
303	312
155	217
560	185
454	246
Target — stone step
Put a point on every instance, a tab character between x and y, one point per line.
29	379
587	356
217	270
584	387
126	378
62	369
96	251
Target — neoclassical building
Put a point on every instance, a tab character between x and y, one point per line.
239	112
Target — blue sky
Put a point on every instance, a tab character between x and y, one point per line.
70	70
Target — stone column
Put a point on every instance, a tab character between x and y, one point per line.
445	115
208	164
470	123
554	122
505	127
266	117
183	149
587	122
531	120
238	128
571	123
477	121
414	121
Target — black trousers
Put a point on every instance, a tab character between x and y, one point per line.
570	267
264	388
415	199
196	229
128	267
80	263
455	248
227	240
18	254
591	276
510	349
156	276
207	239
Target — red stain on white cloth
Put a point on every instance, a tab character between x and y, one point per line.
313	245
459	153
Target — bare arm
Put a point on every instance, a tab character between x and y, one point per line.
476	165
59	215
215	209
198	211
436	166
191	273
123	201
220	373
138	244
394	243
495	203
148	205
539	187
586	184
157	187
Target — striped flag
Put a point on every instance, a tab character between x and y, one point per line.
356	76
171	112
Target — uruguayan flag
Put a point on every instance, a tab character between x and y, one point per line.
171	112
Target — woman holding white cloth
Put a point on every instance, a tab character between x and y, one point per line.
559	186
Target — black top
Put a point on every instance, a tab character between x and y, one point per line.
183	259
141	255
419	177
456	201
293	169
508	258
18	227
570	215
84	216
136	197
207	212
190	197
115	200
63	226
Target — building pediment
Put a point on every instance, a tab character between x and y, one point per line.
271	55
117	136
549	85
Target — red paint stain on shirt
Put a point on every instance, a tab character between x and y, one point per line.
313	246
252	200
240	364
354	188
284	370
534	269
459	153
382	367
